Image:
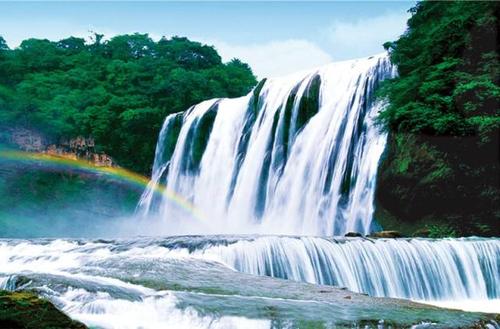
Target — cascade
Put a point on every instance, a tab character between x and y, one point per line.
421	269
297	155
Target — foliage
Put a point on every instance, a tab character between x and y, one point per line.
444	117
441	231
23	309
118	91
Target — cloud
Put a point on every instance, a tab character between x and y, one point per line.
346	40
275	58
364	37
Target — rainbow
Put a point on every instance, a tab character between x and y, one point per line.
115	172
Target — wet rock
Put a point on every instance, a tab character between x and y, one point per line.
386	234
353	235
24	310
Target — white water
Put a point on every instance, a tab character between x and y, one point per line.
459	273
460	270
151	312
423	269
94	281
298	157
277	162
147	309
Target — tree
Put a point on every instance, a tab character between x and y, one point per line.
444	117
119	91
3	44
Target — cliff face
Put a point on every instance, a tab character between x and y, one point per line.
441	169
74	148
438	186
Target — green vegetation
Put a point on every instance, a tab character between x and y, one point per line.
199	137
441	169
309	103
24	310
118	91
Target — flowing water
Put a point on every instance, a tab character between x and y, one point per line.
184	282
298	155
465	271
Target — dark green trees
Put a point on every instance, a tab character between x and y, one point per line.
119	91
444	118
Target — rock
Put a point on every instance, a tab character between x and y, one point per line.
27	140
386	234
353	234
24	310
419	183
80	147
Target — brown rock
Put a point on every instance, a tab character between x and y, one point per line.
353	234
386	234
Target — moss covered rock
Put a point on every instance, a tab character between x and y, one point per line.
24	310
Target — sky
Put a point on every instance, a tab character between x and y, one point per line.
275	38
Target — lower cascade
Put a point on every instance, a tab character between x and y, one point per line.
421	269
110	283
298	155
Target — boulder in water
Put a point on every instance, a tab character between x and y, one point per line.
24	310
353	235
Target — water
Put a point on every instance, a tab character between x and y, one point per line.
465	270
298	155
182	282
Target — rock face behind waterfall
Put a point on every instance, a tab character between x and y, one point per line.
298	155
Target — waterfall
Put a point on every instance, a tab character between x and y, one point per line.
465	271
421	269
298	155
191	282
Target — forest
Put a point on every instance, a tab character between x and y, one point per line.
442	162
118	91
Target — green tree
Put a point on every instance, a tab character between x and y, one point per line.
444	118
119	91
3	44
